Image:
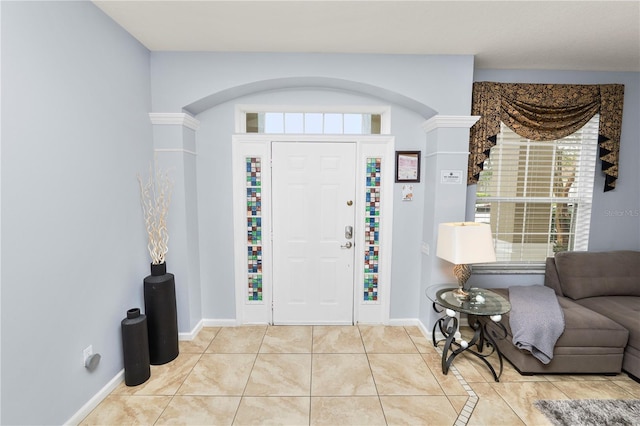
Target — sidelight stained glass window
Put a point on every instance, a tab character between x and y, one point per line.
254	228
372	229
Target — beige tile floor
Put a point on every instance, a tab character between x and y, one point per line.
333	375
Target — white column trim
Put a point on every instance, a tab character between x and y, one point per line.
459	121
186	151
174	118
433	154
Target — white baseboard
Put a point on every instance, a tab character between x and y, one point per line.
113	383
429	333
220	322
190	335
404	322
425	332
96	399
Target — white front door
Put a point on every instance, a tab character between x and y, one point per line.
313	203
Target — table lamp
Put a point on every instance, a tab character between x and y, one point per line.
463	243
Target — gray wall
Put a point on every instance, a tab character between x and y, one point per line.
75	132
440	84
615	218
181	78
215	200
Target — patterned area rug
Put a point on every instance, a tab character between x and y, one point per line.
588	412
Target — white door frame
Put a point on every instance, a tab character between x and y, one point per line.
259	146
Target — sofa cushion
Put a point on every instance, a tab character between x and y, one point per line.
624	310
584	328
591	274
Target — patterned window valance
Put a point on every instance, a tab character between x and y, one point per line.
543	112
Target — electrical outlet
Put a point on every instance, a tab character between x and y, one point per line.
86	353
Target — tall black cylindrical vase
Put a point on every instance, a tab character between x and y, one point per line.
135	347
162	317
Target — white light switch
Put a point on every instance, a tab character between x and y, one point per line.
425	248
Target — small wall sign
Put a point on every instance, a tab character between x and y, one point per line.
407	166
407	192
451	177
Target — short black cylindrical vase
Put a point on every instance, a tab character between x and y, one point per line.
135	348
162	317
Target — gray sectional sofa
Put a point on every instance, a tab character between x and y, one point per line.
599	294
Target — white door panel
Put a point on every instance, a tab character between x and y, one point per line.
312	271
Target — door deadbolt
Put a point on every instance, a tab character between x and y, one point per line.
349	203
348	232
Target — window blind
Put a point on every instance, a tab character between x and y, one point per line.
537	196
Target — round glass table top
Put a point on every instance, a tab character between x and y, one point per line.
480	301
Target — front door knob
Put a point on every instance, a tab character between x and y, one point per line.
348	245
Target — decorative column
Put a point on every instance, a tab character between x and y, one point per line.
174	145
445	197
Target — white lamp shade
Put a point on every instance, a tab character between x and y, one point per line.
465	242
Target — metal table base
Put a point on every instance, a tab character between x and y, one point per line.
448	325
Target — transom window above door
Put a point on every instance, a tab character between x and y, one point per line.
335	123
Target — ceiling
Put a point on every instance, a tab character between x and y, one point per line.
559	35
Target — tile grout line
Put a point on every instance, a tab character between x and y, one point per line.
200	355
462	420
372	375
235	415
472	398
313	329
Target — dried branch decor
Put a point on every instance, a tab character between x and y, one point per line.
155	197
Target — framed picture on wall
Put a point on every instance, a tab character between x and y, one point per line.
407	166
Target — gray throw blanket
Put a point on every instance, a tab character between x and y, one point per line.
536	320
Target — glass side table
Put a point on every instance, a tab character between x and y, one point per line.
480	303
